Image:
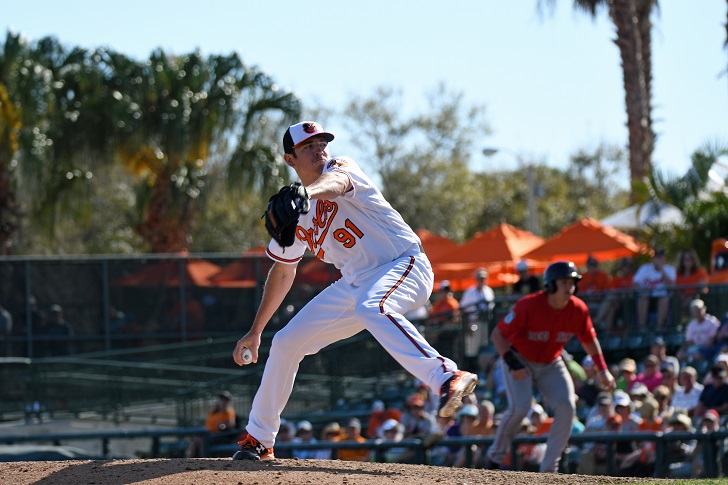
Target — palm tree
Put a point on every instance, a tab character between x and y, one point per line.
631	19
182	114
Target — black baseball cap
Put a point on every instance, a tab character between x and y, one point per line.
298	133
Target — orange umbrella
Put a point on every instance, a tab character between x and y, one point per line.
588	237
497	250
197	272
245	272
434	244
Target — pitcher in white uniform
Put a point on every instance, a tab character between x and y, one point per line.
385	274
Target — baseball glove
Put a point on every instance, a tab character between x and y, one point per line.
281	216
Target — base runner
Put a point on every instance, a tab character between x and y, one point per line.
530	340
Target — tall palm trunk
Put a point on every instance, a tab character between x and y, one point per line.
9	207
632	21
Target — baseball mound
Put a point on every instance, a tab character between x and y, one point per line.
208	471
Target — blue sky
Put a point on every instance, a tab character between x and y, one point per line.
551	82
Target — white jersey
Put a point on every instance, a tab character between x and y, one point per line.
648	276
357	232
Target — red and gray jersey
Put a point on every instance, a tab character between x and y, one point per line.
539	332
357	232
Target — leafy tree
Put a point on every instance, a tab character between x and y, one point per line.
422	159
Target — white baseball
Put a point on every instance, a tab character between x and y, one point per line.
247	355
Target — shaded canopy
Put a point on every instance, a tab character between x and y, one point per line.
246	272
639	216
196	272
584	238
497	250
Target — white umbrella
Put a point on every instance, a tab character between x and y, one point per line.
639	216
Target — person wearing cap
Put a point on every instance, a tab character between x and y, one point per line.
445	308
376	419
658	348
60	332
530	340
476	306
385	273
304	434
220	424
589	390
700	332
352	432
688	392
624	407
627	374
331	432
715	392
654	281
527	283
417	422
679	452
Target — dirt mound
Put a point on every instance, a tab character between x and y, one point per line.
207	471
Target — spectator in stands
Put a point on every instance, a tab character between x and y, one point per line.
653	282
627	374
687	395
691	277
441	455
417	422
352	433
597	418
679	453
658	348
467	419
331	432
526	283
663	396
58	332
700	333
721	338
442	326
476	306
593	455
638	393
220	423
624	407
715	393
286	433
304	434
589	390
709	423
669	378
650	375
376	419
614	300
594	280
392	431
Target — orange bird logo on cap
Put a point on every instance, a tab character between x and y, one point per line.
309	127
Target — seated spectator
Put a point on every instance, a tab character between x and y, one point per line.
627	374
376	419
467	418
709	423
594	280
331	432
597	418
658	348
649	412
304	434
663	396
614	300
679	453
626	454
638	393
721	338
669	378
688	392
624	407
441	455
691	278
286	433
653	281
352	433
700	333
484	425
417	422
650	375
220	422
589	389
715	393
392	431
